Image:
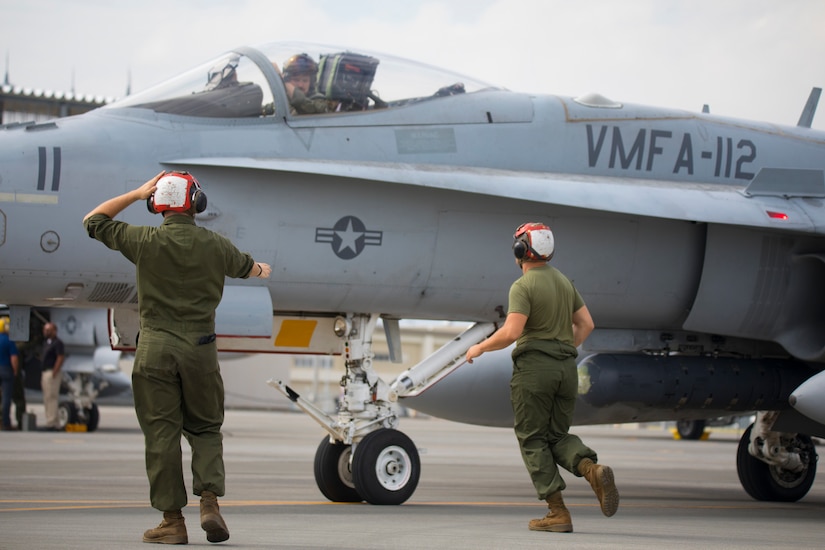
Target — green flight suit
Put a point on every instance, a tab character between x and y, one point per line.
176	379
544	385
301	104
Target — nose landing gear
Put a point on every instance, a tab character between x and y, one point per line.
365	457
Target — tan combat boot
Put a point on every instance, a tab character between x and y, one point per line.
557	519
211	520
601	480
172	530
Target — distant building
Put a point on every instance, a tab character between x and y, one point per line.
26	105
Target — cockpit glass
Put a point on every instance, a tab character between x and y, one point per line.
335	79
231	86
371	80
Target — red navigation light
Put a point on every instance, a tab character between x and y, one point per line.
777	215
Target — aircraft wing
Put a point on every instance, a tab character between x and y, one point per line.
765	207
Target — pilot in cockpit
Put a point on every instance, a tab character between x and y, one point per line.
300	75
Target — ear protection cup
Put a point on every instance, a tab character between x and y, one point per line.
198	198
150	204
520	248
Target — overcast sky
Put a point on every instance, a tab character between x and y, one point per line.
755	59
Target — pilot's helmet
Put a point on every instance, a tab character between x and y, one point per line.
533	242
178	192
301	64
4	324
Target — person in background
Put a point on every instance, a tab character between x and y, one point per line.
52	356
9	366
19	393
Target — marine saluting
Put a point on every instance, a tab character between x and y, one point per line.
176	379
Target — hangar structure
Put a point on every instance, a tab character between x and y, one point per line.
19	105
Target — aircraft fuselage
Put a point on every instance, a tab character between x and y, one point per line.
342	244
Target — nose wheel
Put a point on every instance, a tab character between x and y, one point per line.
772	482
69	413
332	471
386	467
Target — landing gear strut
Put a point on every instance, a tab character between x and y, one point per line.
365	457
344	472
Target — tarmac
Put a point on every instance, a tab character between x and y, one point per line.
76	490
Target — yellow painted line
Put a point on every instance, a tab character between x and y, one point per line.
50	505
61	501
65	508
28	198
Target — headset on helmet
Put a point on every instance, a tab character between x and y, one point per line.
533	242
178	192
301	64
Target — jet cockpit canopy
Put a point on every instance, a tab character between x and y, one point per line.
247	82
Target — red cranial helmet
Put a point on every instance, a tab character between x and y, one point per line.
178	192
533	242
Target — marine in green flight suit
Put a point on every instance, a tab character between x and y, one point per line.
548	320
176	379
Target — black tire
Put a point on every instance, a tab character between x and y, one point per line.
66	414
770	483
690	429
386	467
92	418
332	472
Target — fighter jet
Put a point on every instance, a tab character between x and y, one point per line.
697	242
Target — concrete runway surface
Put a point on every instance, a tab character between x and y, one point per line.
89	490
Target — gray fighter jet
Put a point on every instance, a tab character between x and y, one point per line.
697	241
